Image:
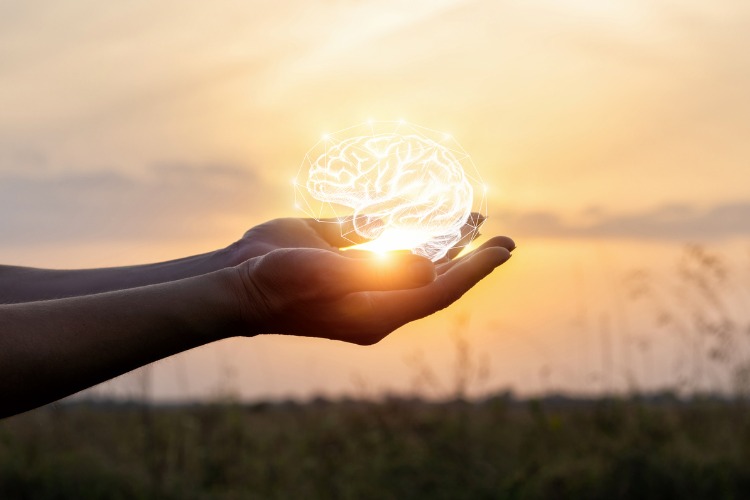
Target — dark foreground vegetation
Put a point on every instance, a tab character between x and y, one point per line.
657	448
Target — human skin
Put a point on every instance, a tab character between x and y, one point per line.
25	284
64	331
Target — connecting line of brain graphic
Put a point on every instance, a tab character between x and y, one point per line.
410	186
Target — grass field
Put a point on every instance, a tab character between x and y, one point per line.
499	448
643	447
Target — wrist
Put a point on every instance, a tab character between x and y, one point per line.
247	309
208	306
234	254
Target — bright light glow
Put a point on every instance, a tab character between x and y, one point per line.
395	238
406	187
380	254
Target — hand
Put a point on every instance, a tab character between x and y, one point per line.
321	291
298	283
325	234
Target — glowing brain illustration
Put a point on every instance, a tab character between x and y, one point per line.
406	187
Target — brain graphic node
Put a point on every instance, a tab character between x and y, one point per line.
405	187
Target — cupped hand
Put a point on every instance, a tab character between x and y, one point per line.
317	290
326	234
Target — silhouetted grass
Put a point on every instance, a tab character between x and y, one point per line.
499	448
660	447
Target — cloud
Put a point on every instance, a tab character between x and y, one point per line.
668	222
172	201
176	201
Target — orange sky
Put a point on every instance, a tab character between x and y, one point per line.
610	132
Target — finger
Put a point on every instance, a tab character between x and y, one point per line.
341	232
409	305
340	275
496	241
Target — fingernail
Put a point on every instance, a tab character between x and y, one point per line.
502	255
504	260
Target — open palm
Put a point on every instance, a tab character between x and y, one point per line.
297	280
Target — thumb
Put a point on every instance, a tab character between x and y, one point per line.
387	271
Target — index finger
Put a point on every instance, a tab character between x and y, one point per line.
404	306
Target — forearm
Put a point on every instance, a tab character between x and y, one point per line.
24	284
51	349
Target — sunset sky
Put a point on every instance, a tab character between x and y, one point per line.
610	133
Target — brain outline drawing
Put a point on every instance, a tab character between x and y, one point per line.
392	178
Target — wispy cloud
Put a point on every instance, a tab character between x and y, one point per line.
679	222
172	202
193	201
